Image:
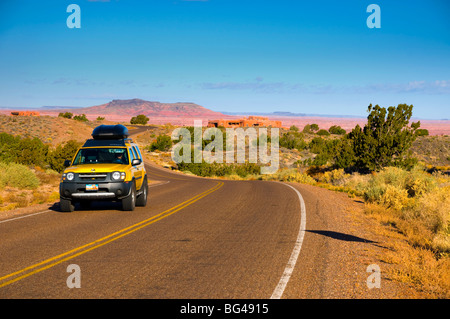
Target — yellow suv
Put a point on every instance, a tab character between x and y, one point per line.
107	167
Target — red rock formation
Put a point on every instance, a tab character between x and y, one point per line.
25	113
251	121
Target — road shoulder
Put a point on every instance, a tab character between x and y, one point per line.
343	247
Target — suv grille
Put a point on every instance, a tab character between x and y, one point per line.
92	176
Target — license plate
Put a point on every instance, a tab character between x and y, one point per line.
92	187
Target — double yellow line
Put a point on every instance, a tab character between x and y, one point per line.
48	263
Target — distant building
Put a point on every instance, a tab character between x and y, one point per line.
251	121
25	113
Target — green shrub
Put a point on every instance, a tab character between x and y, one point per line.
422	132
81	118
66	115
17	175
163	143
27	151
247	169
336	129
56	157
310	128
293	140
393	182
290	175
323	132
139	119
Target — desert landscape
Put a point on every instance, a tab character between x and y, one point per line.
184	114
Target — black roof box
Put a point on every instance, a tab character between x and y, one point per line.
110	132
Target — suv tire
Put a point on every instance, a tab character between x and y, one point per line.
141	200
129	202
66	205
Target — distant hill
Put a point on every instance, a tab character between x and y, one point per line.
133	107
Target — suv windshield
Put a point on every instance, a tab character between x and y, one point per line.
101	156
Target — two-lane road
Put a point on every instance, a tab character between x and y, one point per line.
196	238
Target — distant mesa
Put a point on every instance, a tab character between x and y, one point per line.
135	107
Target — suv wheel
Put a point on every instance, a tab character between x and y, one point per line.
141	200
128	203
66	205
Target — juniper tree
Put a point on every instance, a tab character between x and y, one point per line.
385	139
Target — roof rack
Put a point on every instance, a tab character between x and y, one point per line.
98	143
110	132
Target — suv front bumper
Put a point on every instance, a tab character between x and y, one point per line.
106	190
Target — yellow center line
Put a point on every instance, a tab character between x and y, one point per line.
104	240
169	177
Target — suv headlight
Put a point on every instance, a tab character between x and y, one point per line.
70	176
118	175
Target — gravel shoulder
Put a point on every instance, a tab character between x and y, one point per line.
340	243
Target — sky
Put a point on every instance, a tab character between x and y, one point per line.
314	57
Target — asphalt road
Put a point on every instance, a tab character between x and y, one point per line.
214	239
196	238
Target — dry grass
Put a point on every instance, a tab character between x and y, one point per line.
432	150
417	266
46	190
50	130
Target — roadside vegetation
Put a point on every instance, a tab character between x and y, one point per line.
30	170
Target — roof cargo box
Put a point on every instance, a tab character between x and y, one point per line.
110	132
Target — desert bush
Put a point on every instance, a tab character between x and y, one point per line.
419	203
66	115
81	118
139	119
422	132
17	175
335	177
220	169
27	151
56	157
310	128
293	140
290	175
393	197
336	129
323	132
162	143
432	209
246	169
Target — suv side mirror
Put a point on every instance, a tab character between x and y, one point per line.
136	161
67	163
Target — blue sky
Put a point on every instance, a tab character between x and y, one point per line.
236	56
